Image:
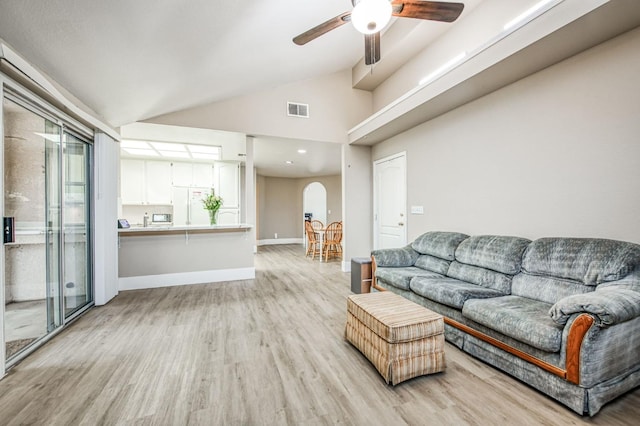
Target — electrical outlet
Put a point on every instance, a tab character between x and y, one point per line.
275	235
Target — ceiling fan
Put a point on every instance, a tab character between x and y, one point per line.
371	16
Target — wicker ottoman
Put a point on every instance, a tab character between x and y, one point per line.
401	338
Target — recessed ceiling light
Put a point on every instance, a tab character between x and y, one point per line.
302	151
289	162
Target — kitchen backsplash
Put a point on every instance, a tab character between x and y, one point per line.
135	214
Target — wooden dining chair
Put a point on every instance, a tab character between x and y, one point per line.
332	244
317	225
313	245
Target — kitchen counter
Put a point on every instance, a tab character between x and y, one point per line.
188	229
159	256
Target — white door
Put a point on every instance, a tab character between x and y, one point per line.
390	202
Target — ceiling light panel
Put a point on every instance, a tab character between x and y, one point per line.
126	143
204	149
174	154
202	156
164	146
145	152
171	150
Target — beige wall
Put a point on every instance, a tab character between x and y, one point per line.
357	203
334	107
280	204
555	154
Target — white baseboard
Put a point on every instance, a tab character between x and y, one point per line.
280	241
185	278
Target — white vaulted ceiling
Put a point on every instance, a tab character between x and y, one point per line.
132	60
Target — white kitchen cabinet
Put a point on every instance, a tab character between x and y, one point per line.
202	175
182	174
158	182
145	182
132	181
192	174
227	183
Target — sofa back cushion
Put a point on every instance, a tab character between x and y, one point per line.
590	261
480	276
498	253
439	244
546	289
432	263
398	257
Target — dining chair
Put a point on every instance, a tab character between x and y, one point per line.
313	245
317	225
332	244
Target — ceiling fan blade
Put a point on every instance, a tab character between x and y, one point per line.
323	28
431	10
371	48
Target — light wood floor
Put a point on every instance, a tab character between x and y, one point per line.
266	351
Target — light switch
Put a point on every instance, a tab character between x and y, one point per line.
417	210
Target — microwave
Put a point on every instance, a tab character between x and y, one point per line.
161	218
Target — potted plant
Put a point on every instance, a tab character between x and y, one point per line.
212	203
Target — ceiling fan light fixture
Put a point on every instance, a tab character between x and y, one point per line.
371	16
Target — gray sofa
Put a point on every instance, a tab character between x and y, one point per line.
561	314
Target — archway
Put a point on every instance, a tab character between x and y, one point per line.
314	201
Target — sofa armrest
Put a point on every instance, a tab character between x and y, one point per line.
608	306
395	257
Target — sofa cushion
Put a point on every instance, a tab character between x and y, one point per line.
499	253
449	291
480	276
438	244
432	263
546	289
589	260
396	257
523	319
400	277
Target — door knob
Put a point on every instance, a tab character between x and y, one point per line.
400	223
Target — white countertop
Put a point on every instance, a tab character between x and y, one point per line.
160	229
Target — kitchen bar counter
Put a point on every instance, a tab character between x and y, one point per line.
192	229
160	256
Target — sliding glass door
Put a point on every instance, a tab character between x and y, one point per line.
31	222
77	272
46	209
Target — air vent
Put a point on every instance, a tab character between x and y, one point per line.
297	110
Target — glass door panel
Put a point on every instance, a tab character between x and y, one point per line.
31	147
77	284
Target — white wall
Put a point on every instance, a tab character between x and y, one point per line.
555	154
334	107
107	162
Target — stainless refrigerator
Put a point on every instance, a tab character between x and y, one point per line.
187	206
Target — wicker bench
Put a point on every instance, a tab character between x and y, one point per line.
401	339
